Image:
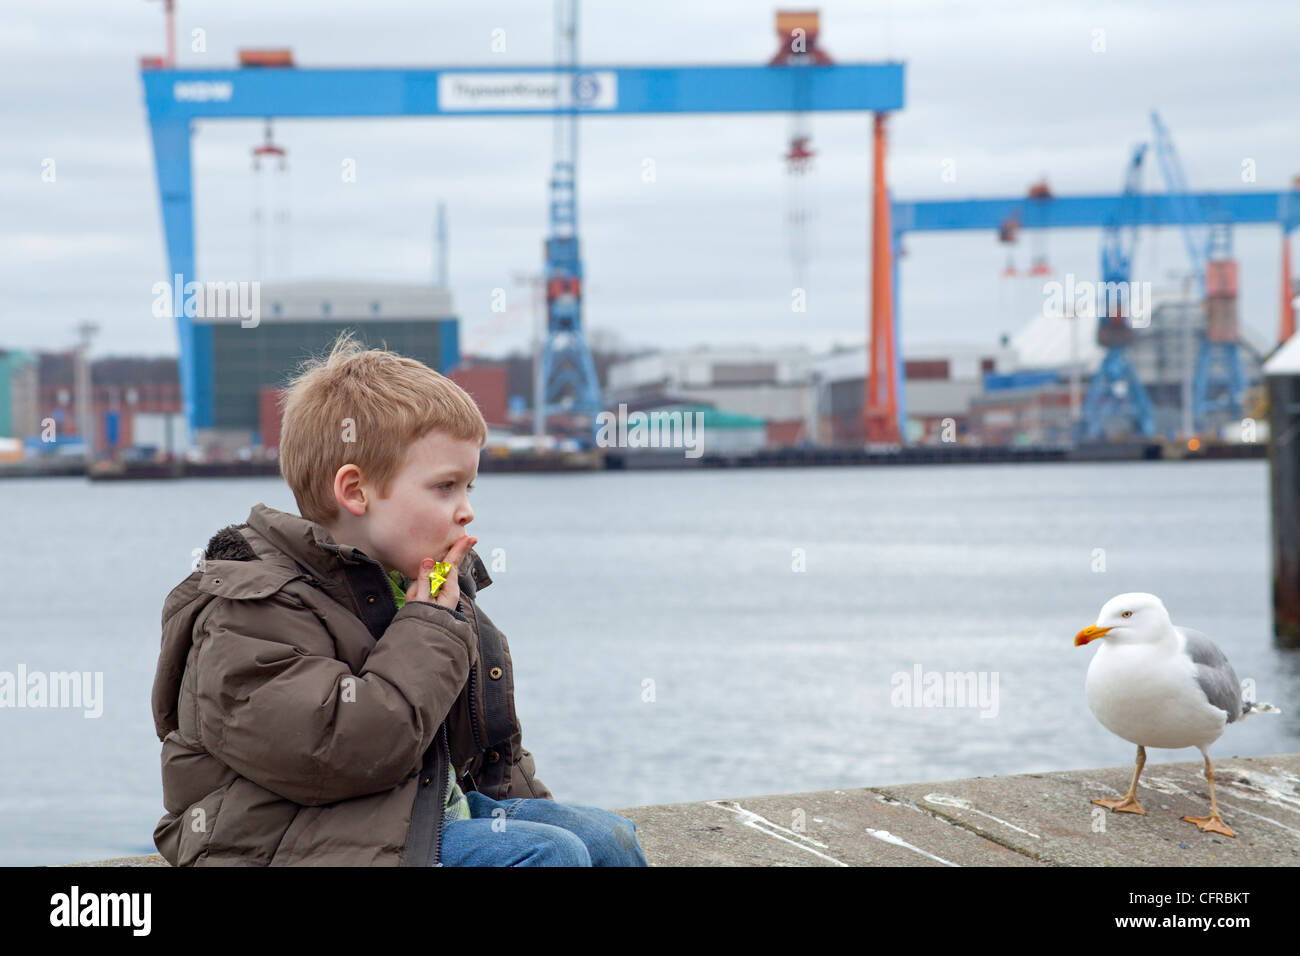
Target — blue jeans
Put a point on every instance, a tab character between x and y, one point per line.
524	831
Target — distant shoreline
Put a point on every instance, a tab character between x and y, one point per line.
621	460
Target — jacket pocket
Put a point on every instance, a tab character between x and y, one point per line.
527	770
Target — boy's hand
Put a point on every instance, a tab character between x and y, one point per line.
449	595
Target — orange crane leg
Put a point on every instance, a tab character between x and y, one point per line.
880	405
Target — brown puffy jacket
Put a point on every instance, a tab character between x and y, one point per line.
305	719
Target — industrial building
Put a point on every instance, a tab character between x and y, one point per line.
1029	388
136	403
807	399
772	385
1164	355
18	413
133	402
251	363
486	383
1038	402
942	379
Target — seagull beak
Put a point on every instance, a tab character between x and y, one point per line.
1089	633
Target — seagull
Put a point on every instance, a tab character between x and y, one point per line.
1160	685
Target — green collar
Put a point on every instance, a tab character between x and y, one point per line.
395	582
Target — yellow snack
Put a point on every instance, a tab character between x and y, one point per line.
438	577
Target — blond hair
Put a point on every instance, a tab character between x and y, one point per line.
364	407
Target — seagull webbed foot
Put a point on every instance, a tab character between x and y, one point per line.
1125	804
1213	823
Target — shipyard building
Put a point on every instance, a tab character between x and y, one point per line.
250	365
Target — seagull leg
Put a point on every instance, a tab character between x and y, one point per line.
1214	823
1128	803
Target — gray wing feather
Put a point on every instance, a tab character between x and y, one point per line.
1213	672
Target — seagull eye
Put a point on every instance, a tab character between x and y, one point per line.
1127	614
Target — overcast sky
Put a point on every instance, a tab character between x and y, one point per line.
1009	91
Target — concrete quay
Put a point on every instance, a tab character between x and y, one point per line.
1045	819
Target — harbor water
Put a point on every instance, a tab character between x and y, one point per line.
688	635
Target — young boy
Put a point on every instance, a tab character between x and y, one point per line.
316	702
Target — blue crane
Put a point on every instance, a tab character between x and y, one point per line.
569	382
1116	389
1254	207
1195	230
1209	247
178	100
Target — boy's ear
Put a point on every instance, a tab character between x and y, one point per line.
348	490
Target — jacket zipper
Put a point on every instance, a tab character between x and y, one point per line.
473	710
442	798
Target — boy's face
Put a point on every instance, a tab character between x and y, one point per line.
427	507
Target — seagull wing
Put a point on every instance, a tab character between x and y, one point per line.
1213	672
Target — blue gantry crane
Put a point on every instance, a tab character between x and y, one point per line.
1128	211
178	99
1115	389
1209	248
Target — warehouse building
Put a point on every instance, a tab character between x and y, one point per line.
774	386
1056	358
133	401
300	319
942	379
